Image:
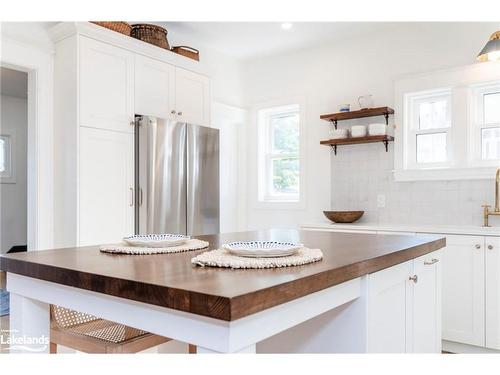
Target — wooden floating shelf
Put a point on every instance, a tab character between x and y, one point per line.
385	139
369	112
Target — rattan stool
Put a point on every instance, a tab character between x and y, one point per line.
90	334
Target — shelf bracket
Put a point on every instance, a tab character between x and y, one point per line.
334	122
386	115
386	144
334	148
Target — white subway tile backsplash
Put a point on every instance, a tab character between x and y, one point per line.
361	172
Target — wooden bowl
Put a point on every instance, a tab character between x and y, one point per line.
343	216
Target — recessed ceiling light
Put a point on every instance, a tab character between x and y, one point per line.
286	25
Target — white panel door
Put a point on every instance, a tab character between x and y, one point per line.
192	97
492	249
426	305
386	309
106	86
463	290
154	88
106	181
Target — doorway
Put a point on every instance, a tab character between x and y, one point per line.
13	167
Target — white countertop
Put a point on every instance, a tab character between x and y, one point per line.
439	229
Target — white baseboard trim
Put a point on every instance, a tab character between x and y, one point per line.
459	348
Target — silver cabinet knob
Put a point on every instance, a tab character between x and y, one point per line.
172	111
413	278
478	246
490	247
179	113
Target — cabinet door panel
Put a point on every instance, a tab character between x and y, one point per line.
463	290
492	250
192	97
426	305
154	87
106	86
106	170
386	309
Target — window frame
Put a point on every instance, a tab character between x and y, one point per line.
463	163
9	175
266	155
412	103
477	123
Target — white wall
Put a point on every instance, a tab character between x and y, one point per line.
338	73
13	196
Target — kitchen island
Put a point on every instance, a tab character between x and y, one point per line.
370	293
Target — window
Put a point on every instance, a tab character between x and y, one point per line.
486	123
6	162
429	127
279	154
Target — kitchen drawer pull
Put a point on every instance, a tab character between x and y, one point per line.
413	278
179	113
478	246
490	247
172	111
432	261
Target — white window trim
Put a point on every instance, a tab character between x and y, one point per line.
9	176
462	165
411	103
271	204
476	123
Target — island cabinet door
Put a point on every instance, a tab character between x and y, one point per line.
386	309
424	317
492	249
463	290
106	183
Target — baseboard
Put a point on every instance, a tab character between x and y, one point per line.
459	348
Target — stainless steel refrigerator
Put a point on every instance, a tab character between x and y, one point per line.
176	177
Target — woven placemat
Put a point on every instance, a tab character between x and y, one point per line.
222	258
189	245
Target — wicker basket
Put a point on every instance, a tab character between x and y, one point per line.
151	34
120	27
190	52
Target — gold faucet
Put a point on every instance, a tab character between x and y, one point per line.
496	211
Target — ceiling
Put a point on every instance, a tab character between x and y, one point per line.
13	83
245	40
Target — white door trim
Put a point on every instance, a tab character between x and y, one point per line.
39	66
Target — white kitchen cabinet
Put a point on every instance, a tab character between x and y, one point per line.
154	88
426	305
492	250
403	307
106	86
192	97
463	290
106	204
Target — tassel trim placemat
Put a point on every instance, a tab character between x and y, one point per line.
222	258
189	245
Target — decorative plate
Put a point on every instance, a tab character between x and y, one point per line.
262	249
156	240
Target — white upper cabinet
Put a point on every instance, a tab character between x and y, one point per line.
106	182
106	81
192	97
154	88
492	249
463	290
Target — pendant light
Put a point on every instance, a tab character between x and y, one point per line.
491	51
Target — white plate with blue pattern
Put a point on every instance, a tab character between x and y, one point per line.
156	240
262	249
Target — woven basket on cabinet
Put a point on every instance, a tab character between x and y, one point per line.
151	34
120	27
